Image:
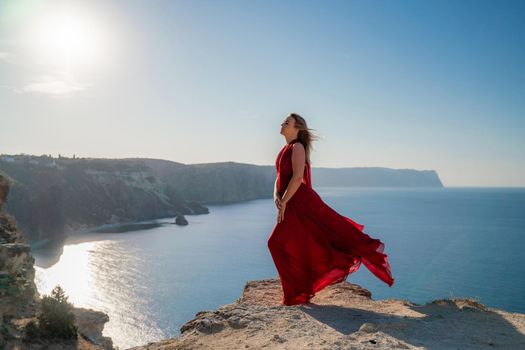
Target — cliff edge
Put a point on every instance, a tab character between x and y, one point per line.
344	316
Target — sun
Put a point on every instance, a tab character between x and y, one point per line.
67	39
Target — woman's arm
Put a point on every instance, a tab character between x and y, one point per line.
298	160
276	196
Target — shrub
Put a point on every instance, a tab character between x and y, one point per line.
56	319
31	331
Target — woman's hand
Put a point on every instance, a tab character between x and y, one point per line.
277	201
280	216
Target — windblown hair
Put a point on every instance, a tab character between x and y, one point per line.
305	135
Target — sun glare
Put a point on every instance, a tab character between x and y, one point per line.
67	39
75	281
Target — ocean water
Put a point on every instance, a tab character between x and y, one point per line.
440	242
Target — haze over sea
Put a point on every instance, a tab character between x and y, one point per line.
441	242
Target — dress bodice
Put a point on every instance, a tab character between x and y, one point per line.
283	165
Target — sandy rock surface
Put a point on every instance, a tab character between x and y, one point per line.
344	316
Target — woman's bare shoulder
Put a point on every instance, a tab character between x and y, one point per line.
298	146
298	151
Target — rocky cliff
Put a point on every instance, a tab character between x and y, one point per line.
52	198
344	316
19	297
17	287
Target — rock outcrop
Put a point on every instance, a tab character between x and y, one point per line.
18	292
180	220
19	297
344	316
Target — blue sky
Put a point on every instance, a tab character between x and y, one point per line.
402	84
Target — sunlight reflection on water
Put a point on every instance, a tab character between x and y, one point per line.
91	276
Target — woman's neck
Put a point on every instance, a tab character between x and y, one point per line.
290	139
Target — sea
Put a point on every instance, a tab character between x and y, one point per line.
152	277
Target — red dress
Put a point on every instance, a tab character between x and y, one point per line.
314	246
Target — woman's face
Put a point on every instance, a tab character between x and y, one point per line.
288	126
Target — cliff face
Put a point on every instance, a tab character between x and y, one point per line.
344	316
49	202
17	286
19	297
223	182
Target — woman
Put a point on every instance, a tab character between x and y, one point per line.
312	245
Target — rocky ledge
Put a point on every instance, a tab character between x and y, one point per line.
344	316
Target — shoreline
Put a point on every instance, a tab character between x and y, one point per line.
121	227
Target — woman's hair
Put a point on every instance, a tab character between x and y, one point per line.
305	135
